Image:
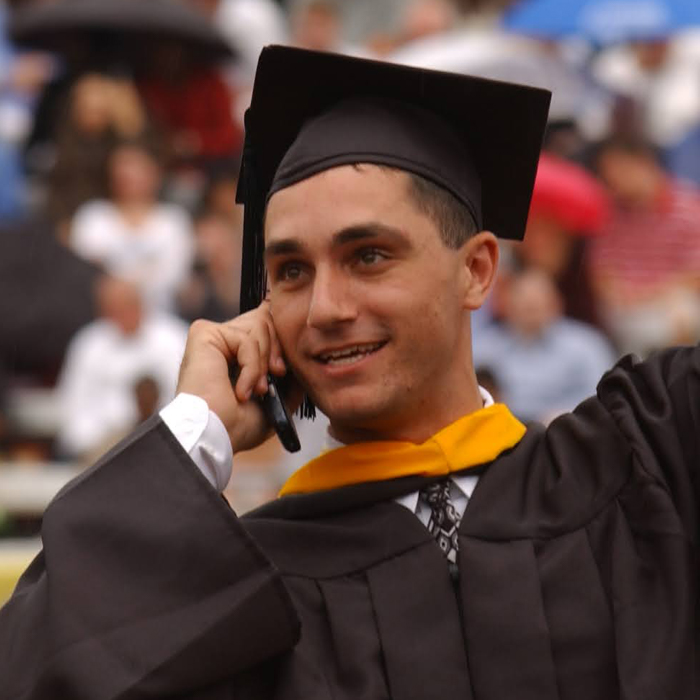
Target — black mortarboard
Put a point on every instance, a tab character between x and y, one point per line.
479	139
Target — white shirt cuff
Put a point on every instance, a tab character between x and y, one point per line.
202	435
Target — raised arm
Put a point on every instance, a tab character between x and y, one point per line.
656	404
147	583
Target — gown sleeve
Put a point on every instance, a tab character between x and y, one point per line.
147	586
656	404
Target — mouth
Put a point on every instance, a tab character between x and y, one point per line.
348	355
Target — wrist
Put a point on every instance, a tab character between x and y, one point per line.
202	434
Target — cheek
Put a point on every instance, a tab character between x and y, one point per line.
289	318
424	318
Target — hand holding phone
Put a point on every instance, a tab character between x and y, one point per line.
276	412
246	406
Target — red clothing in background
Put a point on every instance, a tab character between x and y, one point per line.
201	103
645	250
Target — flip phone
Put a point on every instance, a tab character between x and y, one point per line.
275	411
278	416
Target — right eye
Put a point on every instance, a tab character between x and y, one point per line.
289	272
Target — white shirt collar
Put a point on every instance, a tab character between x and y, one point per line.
465	485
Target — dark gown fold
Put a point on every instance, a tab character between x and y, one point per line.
578	574
134	594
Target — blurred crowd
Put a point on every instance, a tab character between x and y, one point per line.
118	220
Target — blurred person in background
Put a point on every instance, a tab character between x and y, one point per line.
569	206
248	25
78	55
318	25
51	109
21	77
433	34
193	108
660	77
415	21
649	254
544	363
212	288
214	285
101	387
101	112
683	160
147	395
424	18
219	197
134	235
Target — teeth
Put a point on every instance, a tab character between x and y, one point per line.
351	354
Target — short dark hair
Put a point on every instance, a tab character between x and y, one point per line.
452	218
454	221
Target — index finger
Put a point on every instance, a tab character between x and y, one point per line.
276	361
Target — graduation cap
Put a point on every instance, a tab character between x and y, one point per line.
479	139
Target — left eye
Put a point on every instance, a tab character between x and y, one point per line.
369	256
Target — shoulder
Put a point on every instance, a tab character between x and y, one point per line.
95	209
172	211
90	223
556	480
172	216
654	403
671	369
92	338
167	328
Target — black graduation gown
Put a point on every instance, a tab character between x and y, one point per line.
578	574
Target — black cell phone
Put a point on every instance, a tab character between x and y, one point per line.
275	411
278	416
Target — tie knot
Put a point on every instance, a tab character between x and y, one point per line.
437	494
444	518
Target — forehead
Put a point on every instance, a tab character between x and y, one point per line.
617	156
339	197
132	156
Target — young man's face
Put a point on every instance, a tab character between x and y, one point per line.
368	303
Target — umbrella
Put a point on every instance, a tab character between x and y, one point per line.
602	21
567	193
120	26
501	55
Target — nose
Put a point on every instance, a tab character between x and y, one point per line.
332	301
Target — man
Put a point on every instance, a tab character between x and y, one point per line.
572	573
106	362
544	362
645	265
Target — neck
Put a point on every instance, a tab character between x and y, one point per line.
416	425
134	211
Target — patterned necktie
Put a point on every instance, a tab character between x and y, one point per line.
444	519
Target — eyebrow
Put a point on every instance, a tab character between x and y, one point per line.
359	232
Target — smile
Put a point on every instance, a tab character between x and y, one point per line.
349	355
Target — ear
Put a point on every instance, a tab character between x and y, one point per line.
480	265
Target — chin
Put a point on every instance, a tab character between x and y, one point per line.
348	413
357	413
